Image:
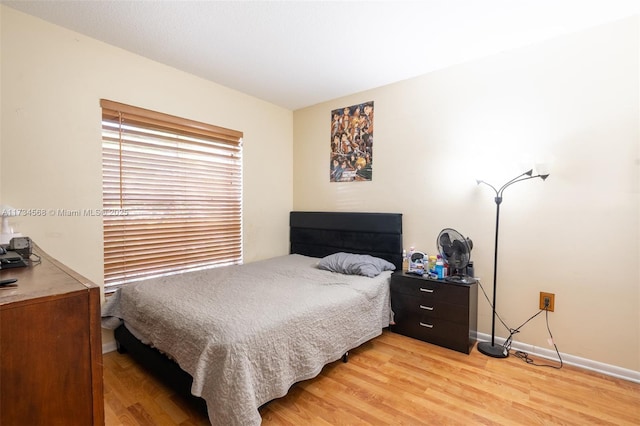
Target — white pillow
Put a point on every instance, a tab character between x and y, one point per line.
355	264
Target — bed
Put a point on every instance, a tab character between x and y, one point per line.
238	346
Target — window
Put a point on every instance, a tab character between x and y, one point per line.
172	194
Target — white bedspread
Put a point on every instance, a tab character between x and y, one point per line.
247	333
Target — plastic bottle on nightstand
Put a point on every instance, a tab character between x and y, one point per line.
432	264
405	261
440	267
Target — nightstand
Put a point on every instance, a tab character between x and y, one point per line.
435	311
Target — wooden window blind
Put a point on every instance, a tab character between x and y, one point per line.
172	194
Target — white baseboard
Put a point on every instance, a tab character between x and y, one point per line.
600	367
109	347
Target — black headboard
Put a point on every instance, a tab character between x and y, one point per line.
319	234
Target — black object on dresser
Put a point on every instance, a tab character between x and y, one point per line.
435	311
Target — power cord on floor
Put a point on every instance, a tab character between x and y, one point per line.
512	331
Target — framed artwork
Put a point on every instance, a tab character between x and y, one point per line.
352	143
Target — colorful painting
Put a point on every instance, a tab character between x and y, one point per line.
352	143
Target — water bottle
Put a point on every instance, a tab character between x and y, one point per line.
432	264
440	267
405	261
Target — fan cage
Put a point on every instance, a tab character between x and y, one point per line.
447	238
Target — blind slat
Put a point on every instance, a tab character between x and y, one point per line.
175	186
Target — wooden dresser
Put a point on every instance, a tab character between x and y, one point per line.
50	347
435	311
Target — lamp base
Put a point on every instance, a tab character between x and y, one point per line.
494	351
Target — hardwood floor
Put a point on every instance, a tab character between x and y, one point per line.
395	380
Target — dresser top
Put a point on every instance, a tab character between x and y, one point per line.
46	278
433	280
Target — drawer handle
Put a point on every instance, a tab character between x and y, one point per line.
426	290
428	308
426	325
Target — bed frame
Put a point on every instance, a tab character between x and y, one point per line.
315	234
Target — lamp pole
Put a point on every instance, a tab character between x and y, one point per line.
491	349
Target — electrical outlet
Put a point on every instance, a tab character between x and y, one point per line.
548	301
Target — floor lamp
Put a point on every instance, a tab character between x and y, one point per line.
490	348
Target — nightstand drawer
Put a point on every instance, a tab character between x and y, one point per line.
429	306
435	330
421	287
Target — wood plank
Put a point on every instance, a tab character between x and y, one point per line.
394	379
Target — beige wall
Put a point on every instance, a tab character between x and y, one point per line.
572	101
52	81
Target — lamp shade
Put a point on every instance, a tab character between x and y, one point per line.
6	232
5	225
6	212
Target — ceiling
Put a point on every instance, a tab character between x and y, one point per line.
300	53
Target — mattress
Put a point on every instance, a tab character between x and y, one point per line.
247	333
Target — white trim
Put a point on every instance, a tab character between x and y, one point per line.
600	367
109	347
